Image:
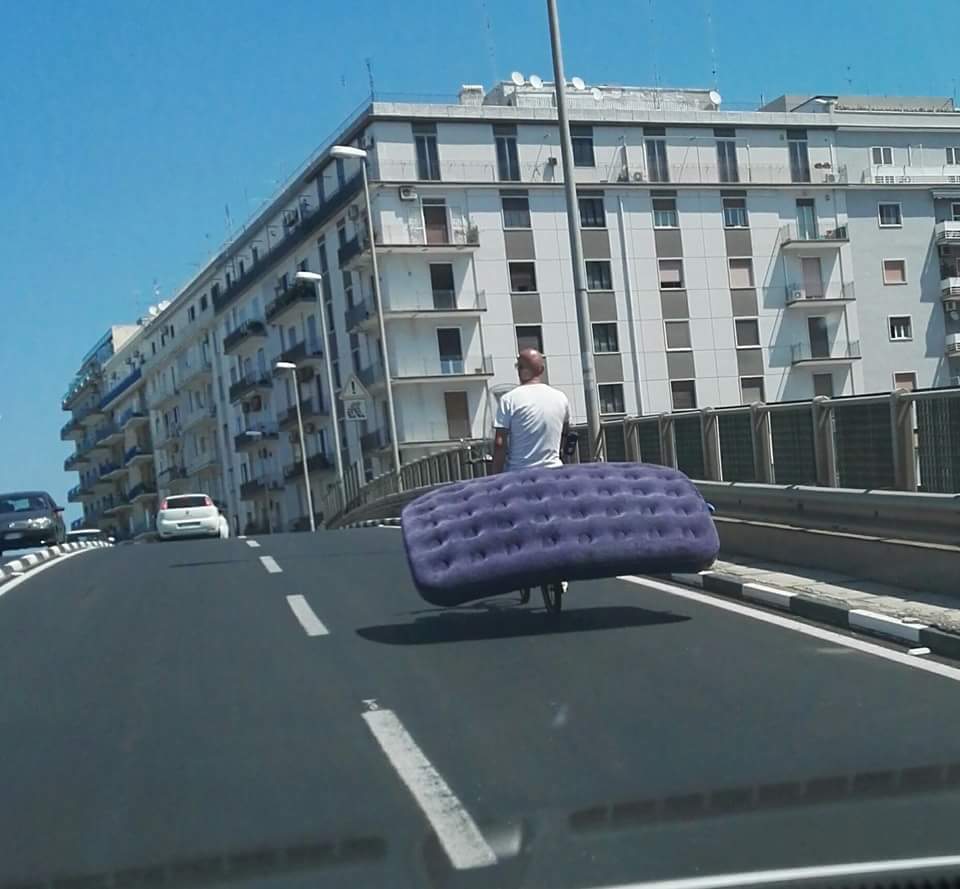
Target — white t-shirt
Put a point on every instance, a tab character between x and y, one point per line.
534	415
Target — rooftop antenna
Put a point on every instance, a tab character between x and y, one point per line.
654	42
713	44
491	47
850	79
369	65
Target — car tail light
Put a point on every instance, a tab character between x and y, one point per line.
163	503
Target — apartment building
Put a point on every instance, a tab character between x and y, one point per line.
808	247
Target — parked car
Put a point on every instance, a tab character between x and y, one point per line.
87	534
190	515
30	518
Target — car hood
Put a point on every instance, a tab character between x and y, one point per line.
7	517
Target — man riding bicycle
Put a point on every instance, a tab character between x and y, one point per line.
532	423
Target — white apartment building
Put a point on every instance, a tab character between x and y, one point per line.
809	247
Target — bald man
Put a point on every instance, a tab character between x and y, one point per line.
532	420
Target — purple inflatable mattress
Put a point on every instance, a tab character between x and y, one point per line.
494	535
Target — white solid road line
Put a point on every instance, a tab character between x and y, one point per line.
798	627
10	584
458	834
310	622
253	543
271	564
796	875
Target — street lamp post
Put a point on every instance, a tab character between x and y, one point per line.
289	365
347	151
317	278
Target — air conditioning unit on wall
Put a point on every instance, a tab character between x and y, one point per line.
408	193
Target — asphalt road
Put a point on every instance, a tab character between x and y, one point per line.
171	718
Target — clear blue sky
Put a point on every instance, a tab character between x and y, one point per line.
127	126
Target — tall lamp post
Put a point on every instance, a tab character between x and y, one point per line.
348	151
317	278
289	365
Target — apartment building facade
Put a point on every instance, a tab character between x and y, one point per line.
809	247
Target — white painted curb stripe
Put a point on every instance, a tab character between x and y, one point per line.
16	581
690	579
768	595
884	625
798	627
308	620
270	564
458	834
253	543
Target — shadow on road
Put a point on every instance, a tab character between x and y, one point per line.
506	623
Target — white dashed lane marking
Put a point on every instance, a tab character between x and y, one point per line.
270	564
308	620
253	543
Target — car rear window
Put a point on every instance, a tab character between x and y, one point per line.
186	502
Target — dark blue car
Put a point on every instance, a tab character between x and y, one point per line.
30	518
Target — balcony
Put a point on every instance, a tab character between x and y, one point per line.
303	353
376	440
432	434
444	304
458	237
133	416
169	436
896	174
949	285
427	370
947	232
359	315
202	371
108	434
300	292
839	353
121	387
113	471
171	474
142	492
81	384
288	419
159	399
117	507
75	494
953	345
254	436
315	463
75	461
251	329
256	487
206	465
71	430
204	417
250	384
372	375
794	237
833	296
137	454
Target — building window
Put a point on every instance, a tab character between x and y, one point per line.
665	213
192	313
428	161
677	334
611	398
255	253
881	155
747	331
657	169
516	211
735	213
889	215
741	273
894	271
523	277
341	173
684	394
901	327
751	390
530	336
605	338
905	380
592	214
335	366
671	274
203	303
441	283
953	156
727	170
582	138
799	157
598	274
823	385
508	161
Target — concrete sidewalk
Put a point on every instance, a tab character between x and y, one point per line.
841	590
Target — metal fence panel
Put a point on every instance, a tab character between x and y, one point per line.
615	443
648	436
938	424
793	455
864	443
689	441
736	448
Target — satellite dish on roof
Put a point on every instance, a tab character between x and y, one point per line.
536	81
715	98
597	95
578	83
517	78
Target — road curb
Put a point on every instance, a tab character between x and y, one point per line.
860	620
31	560
372	523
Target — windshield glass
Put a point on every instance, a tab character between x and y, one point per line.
186	502
22	503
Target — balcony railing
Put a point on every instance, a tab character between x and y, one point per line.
252	488
79	385
302	351
897	174
133	414
203	368
254	435
142	490
445	367
250	383
807	235
71	427
947	231
442	301
353	247
160	397
301	291
121	387
358	314
108	430
315	463
171	473
952	344
246	330
308	411
74	494
136	451
371	375
374	440
797	294
801	353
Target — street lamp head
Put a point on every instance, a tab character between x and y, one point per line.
285	365
344	151
308	276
